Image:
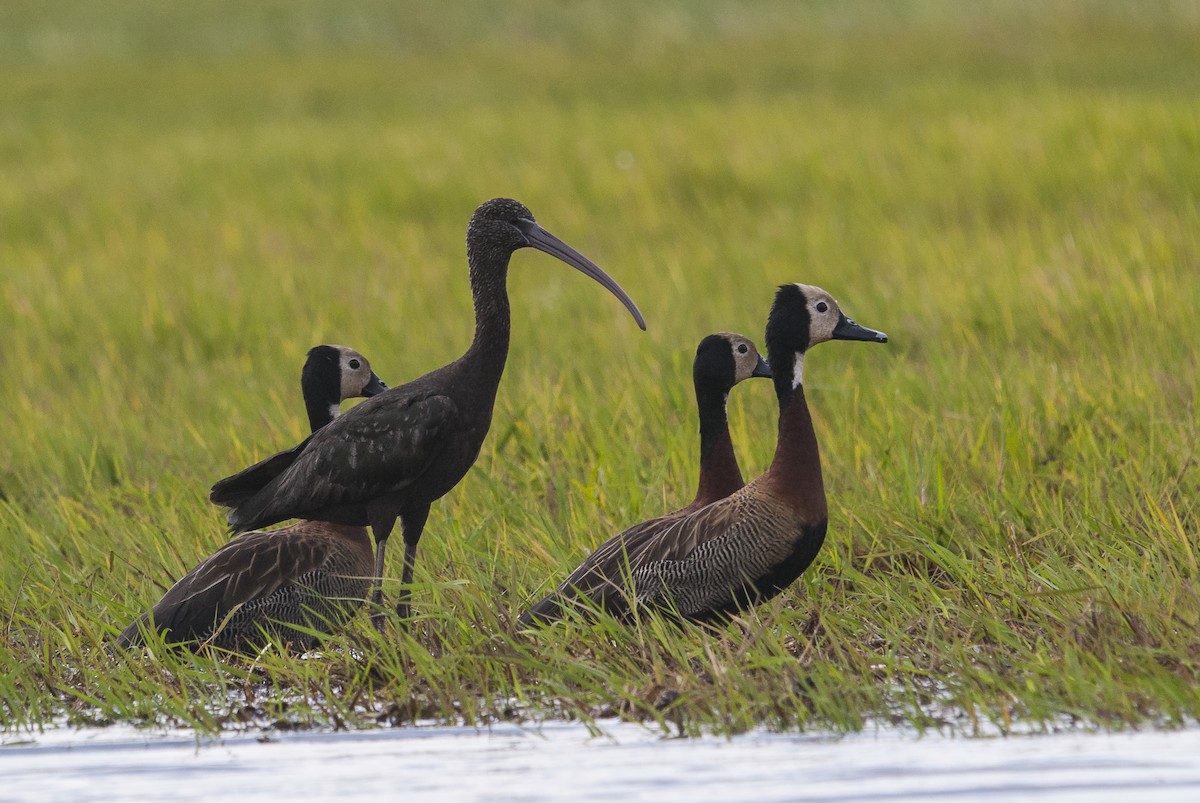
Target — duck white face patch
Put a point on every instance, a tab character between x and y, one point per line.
823	317
798	370
355	371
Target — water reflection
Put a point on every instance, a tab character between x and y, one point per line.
627	762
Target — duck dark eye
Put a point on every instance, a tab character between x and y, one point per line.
743	348
822	306
354	365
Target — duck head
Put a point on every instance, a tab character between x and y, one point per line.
331	375
801	317
725	359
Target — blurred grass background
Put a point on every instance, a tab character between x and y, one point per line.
192	196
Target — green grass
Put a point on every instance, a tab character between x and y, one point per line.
195	195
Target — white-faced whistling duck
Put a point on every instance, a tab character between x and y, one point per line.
311	574
394	455
722	361
746	548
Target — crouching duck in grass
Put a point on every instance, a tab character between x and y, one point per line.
292	583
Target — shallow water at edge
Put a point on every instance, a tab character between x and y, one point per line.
559	761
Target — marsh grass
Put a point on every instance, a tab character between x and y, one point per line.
194	196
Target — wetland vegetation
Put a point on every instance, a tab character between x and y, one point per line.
194	195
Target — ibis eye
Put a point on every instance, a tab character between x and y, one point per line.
743	348
354	365
822	306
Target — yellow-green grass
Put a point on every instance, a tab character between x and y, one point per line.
194	195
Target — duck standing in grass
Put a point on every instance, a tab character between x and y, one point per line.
290	583
748	547
722	361
394	455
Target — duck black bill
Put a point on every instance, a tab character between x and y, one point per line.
374	387
542	240
762	369
847	329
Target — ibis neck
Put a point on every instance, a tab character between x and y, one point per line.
489	348
719	472
795	470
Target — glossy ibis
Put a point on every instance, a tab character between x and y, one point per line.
394	455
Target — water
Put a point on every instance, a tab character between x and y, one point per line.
628	762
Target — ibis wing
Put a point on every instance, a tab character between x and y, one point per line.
241	487
378	448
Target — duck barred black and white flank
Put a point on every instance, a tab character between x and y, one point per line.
293	583
722	360
746	548
392	456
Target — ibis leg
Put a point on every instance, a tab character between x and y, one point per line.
381	526
413	524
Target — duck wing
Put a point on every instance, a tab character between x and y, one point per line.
727	557
604	577
250	567
591	576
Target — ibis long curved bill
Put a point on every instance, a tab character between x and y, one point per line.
542	240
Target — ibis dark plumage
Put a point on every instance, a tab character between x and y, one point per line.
722	360
292	582
748	547
393	455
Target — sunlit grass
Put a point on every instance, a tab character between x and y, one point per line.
195	196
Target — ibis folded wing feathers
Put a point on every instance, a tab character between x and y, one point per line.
378	448
241	487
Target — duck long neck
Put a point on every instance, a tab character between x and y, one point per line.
321	388
719	472
489	348
321	410
795	471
